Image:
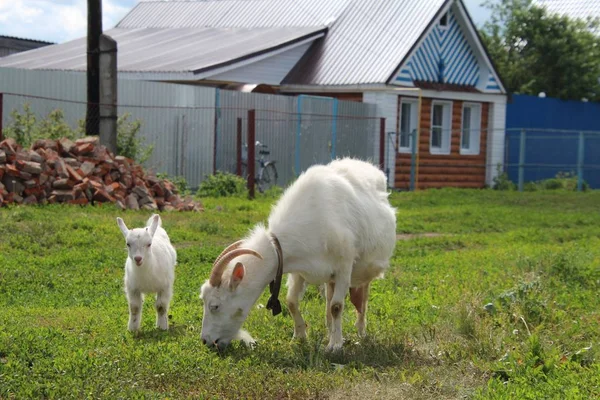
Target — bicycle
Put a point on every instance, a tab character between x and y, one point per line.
266	176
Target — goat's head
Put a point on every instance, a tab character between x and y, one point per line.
227	301
139	240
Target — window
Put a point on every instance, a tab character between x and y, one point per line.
444	20
408	125
441	115
471	129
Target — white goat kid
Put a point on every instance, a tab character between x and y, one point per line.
333	227
150	268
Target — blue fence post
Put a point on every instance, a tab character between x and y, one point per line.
580	155
334	128
522	160
298	134
413	158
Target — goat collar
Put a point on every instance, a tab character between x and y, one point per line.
275	285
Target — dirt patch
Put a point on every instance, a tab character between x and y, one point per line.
410	236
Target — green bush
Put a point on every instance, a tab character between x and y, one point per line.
129	144
552	184
25	128
562	181
222	184
501	181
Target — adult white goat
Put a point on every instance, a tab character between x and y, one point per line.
150	268
334	225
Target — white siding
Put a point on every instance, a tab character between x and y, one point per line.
387	107
496	136
270	71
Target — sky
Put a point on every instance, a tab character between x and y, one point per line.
63	20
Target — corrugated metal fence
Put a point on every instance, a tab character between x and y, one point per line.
547	136
194	129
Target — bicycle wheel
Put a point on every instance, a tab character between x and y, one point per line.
267	178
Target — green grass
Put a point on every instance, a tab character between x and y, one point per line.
533	258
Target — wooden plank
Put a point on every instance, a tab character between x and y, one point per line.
444	178
405	169
439	185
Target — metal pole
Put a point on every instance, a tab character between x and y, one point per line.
216	127
334	128
239	148
94	22
413	159
251	151
382	143
298	134
580	155
522	160
1	106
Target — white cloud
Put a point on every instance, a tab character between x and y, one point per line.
55	20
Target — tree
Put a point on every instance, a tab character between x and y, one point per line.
535	51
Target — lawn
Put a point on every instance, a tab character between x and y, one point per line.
501	303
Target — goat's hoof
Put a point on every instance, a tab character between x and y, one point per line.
299	338
333	348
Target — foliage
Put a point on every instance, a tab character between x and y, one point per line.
25	128
562	181
129	144
222	184
536	51
501	181
533	256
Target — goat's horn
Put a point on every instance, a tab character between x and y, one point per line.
227	250
218	269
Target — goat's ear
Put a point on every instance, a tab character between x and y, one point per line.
237	275
154	225
123	227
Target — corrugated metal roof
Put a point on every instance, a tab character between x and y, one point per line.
25	39
167	49
582	9
231	13
365	44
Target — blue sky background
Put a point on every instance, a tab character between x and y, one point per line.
63	20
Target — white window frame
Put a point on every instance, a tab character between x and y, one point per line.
446	138
415	116
474	129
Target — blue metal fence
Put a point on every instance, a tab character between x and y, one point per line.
547	136
535	154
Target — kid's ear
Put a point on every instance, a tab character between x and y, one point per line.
123	227
154	225
237	275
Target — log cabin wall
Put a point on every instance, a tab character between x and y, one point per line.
447	170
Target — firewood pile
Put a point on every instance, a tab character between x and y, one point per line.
82	172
